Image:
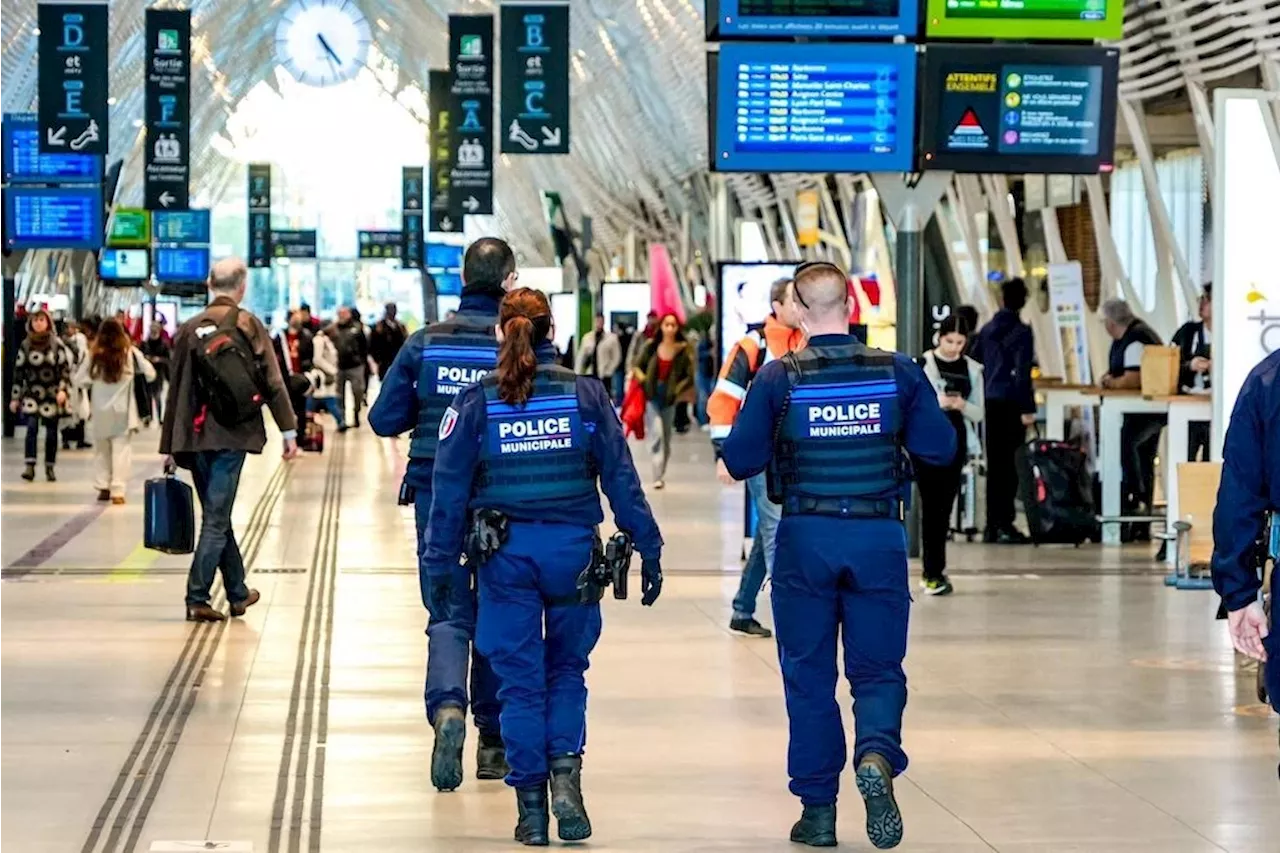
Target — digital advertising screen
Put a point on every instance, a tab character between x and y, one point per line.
564	314
1025	19
743	298
1018	108
447	283
124	264
23	162
824	18
53	217
444	255
779	107
181	226
626	301
181	263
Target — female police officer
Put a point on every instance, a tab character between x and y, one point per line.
528	441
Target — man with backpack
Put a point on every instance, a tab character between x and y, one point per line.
224	373
353	358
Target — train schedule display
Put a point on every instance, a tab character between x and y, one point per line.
823	18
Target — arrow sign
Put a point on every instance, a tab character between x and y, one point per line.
446	224
58	137
551	136
166	198
472	204
534	90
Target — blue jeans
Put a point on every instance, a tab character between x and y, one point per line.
542	672
763	547
449	641
217	478
330	405
34	422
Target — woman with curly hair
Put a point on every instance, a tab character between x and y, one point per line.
41	386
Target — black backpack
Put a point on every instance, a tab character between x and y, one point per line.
229	376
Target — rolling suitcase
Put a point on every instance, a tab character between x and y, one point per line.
169	518
965	518
1057	492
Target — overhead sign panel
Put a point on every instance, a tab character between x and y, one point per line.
25	164
1025	19
471	113
53	217
441	217
412	229
791	18
1018	108
297	245
130	226
181	226
813	107
181	263
535	78
72	79
259	215
125	264
379	245
168	109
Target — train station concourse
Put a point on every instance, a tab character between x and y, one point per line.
640	425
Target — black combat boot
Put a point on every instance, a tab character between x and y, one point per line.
531	805
446	756
572	822
816	827
875	783
491	758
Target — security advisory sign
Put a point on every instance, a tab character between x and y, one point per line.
72	79
535	78
168	113
471	113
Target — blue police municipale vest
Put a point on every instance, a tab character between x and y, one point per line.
537	452
454	355
837	447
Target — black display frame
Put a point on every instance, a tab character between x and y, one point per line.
929	132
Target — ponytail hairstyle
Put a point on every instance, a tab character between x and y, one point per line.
525	320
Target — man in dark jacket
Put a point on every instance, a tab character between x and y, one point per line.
214	453
1006	348
1140	434
387	338
353	355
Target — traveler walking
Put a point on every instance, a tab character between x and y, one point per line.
388	336
599	354
353	358
666	371
110	373
41	389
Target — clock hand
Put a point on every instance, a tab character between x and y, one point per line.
329	50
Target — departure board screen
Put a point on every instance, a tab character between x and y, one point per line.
181	264
181	226
813	107
1026	19
1019	108
787	18
23	162
53	217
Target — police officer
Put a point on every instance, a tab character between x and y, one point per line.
1248	493
832	424
529	442
433	366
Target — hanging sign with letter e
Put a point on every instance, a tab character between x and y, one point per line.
440	216
72	80
168	108
535	78
471	113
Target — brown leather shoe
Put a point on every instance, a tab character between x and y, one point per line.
204	613
239	608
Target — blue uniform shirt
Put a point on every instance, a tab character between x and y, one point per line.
458	458
926	432
396	410
1250	486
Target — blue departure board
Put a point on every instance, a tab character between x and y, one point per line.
447	284
813	108
441	255
23	162
181	263
53	217
792	18
180	226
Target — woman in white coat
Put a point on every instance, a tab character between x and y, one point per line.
324	376
109	373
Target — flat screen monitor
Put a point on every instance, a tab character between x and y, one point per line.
447	283
823	18
1018	108
53	217
743	298
444	255
124	264
564	313
625	301
812	107
1025	19
181	226
23	162
181	264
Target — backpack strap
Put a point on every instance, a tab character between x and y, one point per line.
230	319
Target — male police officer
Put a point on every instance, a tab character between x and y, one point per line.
433	366
833	424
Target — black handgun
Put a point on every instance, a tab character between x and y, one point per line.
408	494
488	533
617	560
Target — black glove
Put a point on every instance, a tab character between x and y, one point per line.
439	596
650	580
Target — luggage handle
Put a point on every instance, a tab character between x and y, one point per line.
170	467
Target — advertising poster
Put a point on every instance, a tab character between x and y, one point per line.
744	298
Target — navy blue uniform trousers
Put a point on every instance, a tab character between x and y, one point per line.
538	648
838	580
449	642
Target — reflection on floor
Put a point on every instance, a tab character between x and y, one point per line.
1061	700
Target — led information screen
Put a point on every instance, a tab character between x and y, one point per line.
813	108
23	162
181	263
378	244
765	18
1019	108
444	256
130	226
53	217
125	264
298	245
1025	19
180	226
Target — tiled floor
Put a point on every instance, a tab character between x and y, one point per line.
1062	700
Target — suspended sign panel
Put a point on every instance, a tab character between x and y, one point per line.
181	263
259	215
180	226
791	18
168	109
441	216
1026	19
53	217
25	164
535	78
471	113
72	78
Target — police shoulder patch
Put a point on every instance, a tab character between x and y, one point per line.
448	422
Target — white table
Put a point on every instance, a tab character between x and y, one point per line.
1059	398
1183	410
1115	405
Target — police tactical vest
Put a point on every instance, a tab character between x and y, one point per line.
1138	332
454	355
837	448
537	452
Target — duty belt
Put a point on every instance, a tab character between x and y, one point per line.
844	507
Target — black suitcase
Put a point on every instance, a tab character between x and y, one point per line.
1057	492
169	517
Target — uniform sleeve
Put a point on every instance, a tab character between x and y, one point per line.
1242	504
396	409
727	395
926	431
455	465
618	478
749	446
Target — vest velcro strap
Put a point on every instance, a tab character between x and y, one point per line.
864	508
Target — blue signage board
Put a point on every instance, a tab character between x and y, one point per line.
53	217
72	77
442	256
180	226
822	18
24	164
124	264
447	284
181	263
782	107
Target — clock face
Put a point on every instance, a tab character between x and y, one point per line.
323	42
